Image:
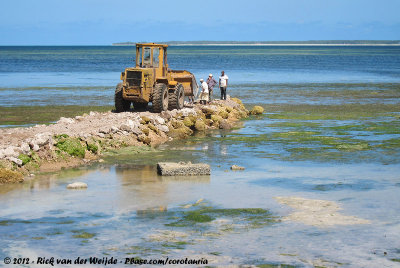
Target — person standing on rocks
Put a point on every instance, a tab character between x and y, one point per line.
223	84
211	83
204	92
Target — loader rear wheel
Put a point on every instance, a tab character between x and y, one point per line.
160	98
121	105
176	98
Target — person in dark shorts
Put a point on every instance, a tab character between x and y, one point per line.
223	84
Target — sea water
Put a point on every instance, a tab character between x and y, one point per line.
38	75
315	99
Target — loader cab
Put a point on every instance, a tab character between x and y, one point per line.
151	55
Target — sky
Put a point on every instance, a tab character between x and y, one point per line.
103	22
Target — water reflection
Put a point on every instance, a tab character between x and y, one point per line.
141	186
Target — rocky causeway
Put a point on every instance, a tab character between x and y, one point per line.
75	141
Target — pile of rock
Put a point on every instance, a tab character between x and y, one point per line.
85	137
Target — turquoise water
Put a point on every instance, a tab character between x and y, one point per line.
317	99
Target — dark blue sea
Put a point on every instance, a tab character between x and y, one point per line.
86	75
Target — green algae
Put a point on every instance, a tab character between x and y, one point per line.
71	146
331	112
25	159
353	146
303	138
144	251
5	223
175	245
131	151
23	115
251	217
56	232
11	222
377	128
83	234
38	238
324	133
390	144
92	147
197	216
291	124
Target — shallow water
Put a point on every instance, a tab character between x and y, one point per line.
335	140
121	210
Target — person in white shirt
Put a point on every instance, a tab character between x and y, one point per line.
204	92
223	84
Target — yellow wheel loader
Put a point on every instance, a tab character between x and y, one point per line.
152	81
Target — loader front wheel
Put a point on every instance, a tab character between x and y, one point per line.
121	105
176	99
160	98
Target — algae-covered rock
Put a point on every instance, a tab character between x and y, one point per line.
145	139
71	146
208	111
200	125
242	114
234	115
224	114
208	122
177	124
180	132
224	124
238	101
10	176
216	118
153	127
188	122
146	131
257	110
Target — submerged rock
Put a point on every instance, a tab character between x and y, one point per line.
235	167
257	110
77	185
182	169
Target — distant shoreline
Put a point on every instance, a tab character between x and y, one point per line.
277	43
264	45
